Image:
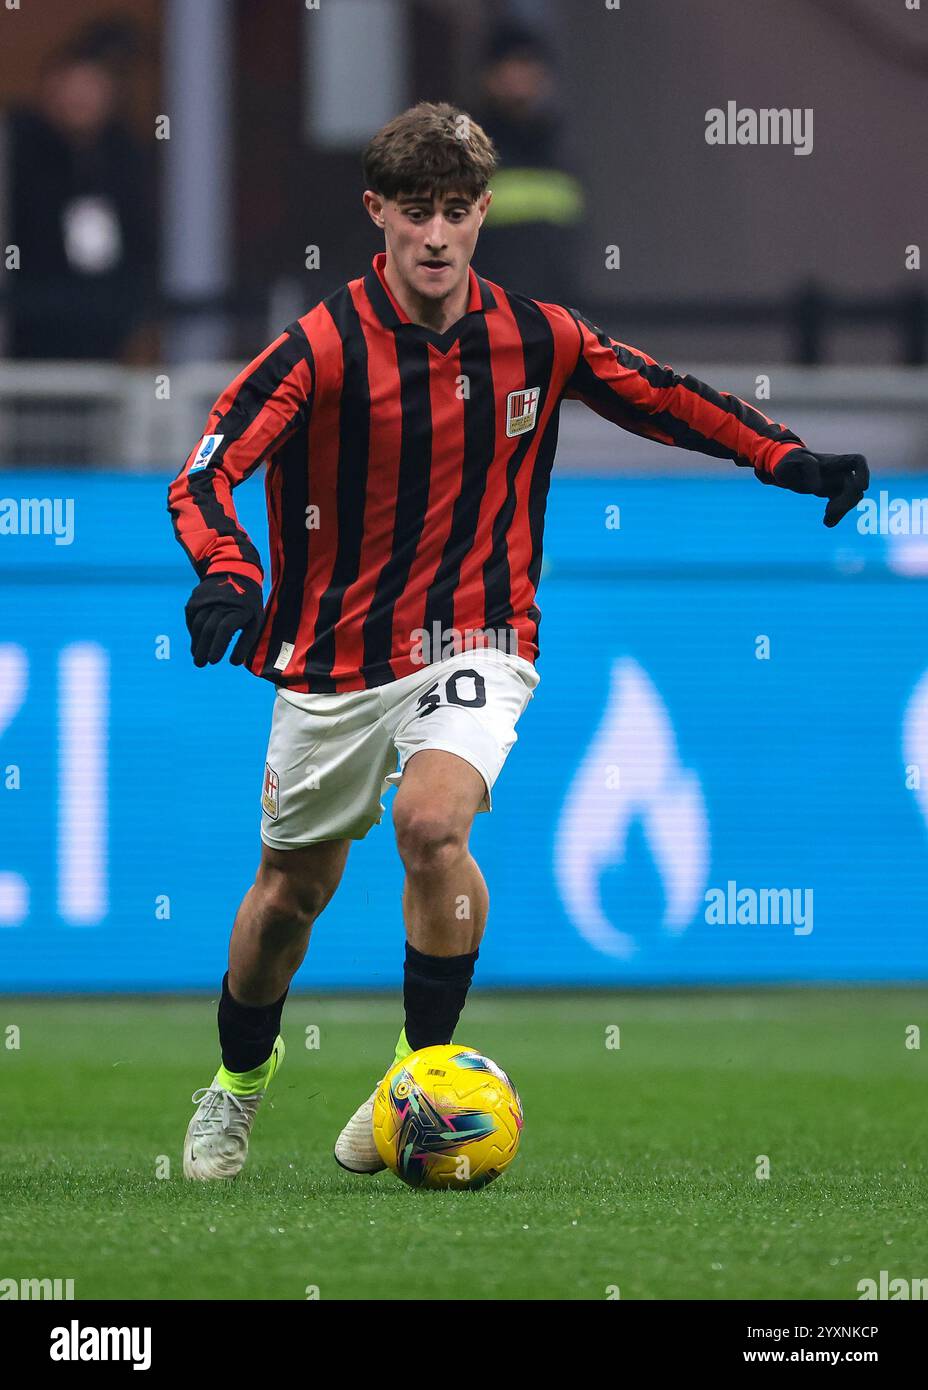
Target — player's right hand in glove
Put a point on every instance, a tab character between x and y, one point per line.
217	608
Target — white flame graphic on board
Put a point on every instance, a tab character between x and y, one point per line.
915	740
636	737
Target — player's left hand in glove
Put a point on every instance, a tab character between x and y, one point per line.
842	478
217	608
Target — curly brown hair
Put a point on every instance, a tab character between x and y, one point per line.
433	148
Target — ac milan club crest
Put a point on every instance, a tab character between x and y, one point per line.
270	797
521	410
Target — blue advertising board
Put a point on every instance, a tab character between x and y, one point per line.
722	777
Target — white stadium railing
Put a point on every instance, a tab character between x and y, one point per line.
96	415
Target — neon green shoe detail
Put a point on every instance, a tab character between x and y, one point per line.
402	1048
216	1143
249	1083
355	1148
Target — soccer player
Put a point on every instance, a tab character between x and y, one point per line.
408	425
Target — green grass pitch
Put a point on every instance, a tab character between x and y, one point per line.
637	1169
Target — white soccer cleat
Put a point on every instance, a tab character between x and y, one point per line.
216	1145
355	1148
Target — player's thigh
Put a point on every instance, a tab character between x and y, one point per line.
440	787
462	713
304	878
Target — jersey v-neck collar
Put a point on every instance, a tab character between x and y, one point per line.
392	315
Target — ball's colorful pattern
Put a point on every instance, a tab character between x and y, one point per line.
447	1117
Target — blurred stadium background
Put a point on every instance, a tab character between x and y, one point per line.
166	169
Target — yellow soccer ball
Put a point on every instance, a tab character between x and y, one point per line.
447	1117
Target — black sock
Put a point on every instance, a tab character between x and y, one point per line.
247	1033
434	990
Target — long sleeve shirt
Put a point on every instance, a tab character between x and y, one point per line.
407	471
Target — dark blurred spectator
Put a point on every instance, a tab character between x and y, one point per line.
114	41
80	209
528	242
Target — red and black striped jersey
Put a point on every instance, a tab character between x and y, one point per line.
408	472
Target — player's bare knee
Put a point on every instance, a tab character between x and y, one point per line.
428	842
285	906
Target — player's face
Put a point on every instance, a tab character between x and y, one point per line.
431	240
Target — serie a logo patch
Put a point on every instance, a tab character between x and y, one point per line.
270	797
521	410
208	446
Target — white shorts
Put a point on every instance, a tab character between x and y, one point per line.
330	758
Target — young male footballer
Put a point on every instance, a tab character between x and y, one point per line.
408	424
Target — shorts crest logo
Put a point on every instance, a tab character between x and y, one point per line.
270	797
521	410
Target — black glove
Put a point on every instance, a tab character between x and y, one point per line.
842	478
217	608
